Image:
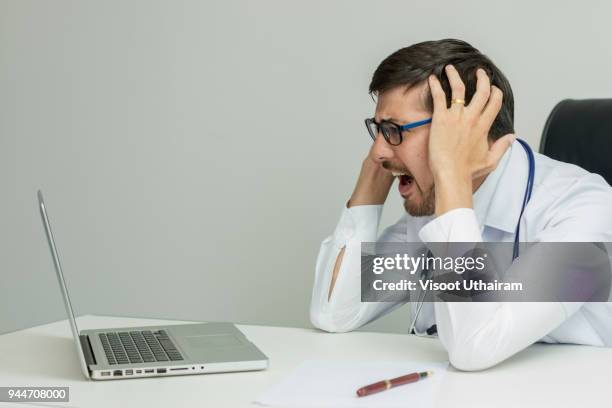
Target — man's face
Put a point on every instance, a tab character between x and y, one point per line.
410	158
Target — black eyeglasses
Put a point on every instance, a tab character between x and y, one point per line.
392	132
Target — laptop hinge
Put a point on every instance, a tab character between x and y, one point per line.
86	346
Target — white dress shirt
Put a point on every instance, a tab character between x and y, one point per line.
568	204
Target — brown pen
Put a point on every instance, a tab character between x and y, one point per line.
394	382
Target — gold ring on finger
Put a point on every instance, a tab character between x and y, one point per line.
459	101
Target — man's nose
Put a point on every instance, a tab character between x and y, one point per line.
382	151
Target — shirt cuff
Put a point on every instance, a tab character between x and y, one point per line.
358	223
458	225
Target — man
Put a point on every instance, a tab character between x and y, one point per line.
462	177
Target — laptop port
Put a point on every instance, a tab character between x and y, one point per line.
179	369
138	371
129	372
161	371
106	373
117	373
149	371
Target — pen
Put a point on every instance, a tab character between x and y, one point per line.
394	382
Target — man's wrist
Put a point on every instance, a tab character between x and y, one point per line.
451	171
453	189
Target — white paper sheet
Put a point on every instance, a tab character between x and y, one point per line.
334	384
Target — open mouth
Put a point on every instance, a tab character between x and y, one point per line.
406	183
404	179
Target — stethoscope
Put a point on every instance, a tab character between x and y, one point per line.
515	252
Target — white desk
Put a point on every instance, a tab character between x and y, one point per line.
541	376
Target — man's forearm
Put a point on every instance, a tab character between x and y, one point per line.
372	188
453	190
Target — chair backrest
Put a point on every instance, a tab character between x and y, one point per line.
580	132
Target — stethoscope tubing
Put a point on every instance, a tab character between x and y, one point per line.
515	251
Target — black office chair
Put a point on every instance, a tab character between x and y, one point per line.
580	132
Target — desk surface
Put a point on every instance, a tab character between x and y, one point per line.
542	375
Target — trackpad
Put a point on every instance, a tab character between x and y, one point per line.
213	340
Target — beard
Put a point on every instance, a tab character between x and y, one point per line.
427	205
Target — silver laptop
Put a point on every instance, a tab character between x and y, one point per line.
136	352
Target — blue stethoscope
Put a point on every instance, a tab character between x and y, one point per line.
526	197
515	252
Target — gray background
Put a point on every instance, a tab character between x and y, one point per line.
195	153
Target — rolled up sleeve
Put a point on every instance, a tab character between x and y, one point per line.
344	310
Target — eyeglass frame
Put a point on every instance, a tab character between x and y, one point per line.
400	128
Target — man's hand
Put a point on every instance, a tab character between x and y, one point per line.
459	151
373	184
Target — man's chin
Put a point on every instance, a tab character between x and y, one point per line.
421	208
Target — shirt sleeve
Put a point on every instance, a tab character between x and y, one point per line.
344	310
458	225
480	335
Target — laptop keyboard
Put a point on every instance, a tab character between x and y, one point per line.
144	346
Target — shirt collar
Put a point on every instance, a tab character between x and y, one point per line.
498	201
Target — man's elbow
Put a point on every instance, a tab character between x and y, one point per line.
471	359
465	364
328	323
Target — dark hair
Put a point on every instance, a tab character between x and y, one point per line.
413	65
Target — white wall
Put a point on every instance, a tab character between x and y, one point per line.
193	154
